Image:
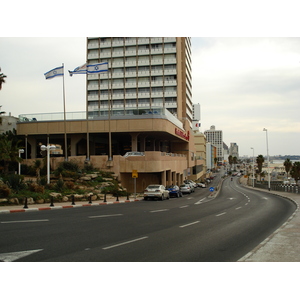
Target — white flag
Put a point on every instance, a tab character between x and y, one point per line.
97	68
79	70
59	71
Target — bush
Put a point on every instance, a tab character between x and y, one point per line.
4	191
15	182
59	186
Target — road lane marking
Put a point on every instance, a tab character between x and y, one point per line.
104	216
184	206
128	242
189	224
24	221
159	210
12	256
238	207
199	202
221	214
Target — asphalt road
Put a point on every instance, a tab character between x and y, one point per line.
192	228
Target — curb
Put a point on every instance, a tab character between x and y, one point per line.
63	206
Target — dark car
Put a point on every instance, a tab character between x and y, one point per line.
174	191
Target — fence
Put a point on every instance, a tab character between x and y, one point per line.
289	188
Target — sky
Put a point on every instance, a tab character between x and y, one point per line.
242	84
245	71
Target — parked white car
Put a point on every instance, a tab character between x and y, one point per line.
156	191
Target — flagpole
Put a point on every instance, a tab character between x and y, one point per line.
109	112
87	124
65	126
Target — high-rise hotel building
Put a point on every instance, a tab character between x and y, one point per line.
142	104
146	74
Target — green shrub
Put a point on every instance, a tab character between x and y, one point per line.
15	182
59	186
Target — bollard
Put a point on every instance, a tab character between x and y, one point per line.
90	199
117	197
51	203
104	196
127	198
73	202
25	203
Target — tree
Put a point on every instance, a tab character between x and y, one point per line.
259	160
38	166
9	152
230	160
287	165
295	171
2	76
234	160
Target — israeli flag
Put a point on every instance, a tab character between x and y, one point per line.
59	71
79	70
97	68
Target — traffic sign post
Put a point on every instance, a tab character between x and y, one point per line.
134	176
211	189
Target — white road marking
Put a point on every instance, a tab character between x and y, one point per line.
221	214
199	202
159	210
189	224
239	207
24	221
184	206
12	256
128	242
104	216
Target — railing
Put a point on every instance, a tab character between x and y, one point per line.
289	188
142	113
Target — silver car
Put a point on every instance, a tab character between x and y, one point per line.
156	191
185	188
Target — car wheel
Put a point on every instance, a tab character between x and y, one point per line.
145	198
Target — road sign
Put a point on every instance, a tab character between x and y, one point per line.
134	174
211	189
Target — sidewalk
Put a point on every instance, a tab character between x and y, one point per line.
61	205
283	244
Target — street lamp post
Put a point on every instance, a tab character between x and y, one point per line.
20	151
269	183
253	168
48	148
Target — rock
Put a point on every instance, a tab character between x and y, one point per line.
65	199
94	197
30	200
78	197
14	201
3	200
40	201
85	178
108	179
55	195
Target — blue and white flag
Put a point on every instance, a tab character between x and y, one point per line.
97	68
79	70
59	71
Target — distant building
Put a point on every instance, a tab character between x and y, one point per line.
234	150
215	137
196	117
7	123
211	153
225	152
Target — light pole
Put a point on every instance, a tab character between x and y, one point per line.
253	168
48	148
20	151
269	183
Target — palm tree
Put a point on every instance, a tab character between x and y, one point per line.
230	160
38	166
287	165
259	160
2	76
9	152
295	171
234	160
